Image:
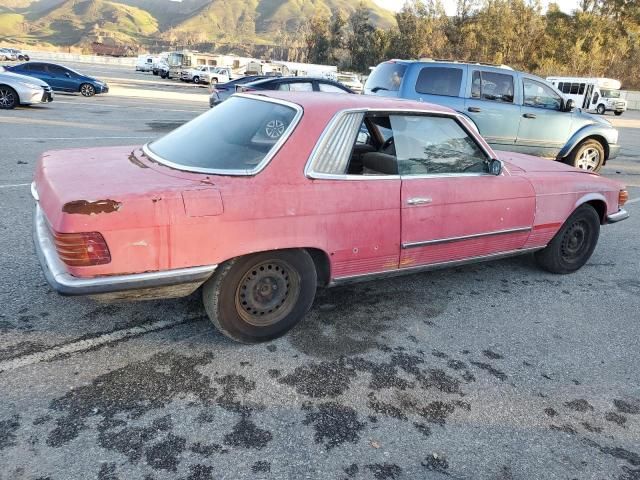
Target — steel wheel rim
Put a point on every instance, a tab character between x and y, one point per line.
274	128
87	90
7	98
267	293
574	241
589	159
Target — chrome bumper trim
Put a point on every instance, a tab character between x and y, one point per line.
465	237
66	284
620	215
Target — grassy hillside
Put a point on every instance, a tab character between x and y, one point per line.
76	20
11	24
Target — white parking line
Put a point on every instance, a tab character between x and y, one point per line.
83	345
15	185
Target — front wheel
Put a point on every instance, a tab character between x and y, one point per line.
260	297
196	79
87	90
617	114
574	243
589	155
601	109
8	98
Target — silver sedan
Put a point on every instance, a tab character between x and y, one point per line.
22	90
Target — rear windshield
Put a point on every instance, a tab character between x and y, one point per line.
234	137
387	77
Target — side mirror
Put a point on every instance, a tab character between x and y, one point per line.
569	105
495	167
363	137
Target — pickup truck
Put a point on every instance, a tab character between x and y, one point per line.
207	74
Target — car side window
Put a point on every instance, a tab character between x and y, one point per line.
439	81
296	87
497	87
430	145
56	70
539	95
327	87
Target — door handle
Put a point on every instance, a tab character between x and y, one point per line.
529	115
419	201
474	109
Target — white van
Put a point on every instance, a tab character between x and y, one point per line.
592	94
144	63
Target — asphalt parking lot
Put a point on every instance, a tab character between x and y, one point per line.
494	371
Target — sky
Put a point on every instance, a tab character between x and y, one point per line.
566	6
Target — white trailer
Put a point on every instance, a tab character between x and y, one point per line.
595	94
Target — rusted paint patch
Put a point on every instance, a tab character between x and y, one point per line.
133	159
84	207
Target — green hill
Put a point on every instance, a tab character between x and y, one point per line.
145	22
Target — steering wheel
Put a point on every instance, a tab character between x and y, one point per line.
387	143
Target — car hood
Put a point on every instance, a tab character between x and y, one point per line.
529	163
22	78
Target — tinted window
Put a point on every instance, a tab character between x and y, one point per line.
434	145
575	87
57	70
497	87
439	81
296	87
34	67
386	76
236	135
581	91
539	95
328	87
566	87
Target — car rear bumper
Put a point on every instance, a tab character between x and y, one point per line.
66	284
620	215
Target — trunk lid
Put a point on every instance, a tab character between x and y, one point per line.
529	163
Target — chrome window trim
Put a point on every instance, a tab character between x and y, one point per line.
240	172
457	117
464	237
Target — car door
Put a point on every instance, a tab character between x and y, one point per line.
492	103
452	208
36	70
60	78
544	128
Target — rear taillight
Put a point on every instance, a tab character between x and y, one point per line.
81	249
623	196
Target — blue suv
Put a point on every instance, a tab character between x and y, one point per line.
512	110
61	79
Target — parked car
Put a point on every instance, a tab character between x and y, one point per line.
160	65
22	90
7	55
61	79
218	93
206	74
512	110
295	84
144	63
269	195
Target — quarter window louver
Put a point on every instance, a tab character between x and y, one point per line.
332	156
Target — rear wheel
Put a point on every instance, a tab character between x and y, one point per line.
87	90
260	297
601	110
574	243
588	155
8	98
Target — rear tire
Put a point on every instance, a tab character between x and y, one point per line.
574	243
8	98
260	297
588	155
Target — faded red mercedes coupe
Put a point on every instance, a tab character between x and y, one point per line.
267	196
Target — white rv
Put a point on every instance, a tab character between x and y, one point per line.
592	94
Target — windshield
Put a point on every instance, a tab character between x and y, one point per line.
610	93
175	59
386	77
234	138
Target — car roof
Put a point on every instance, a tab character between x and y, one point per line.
435	62
292	80
336	102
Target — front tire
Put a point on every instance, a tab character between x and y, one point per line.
260	297
87	90
8	98
574	243
588	155
617	114
601	109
